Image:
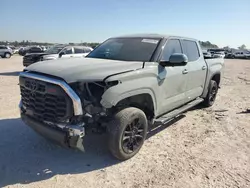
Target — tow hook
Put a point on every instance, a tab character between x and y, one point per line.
76	134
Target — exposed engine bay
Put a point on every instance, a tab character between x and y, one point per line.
90	93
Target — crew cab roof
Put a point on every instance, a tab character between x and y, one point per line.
160	36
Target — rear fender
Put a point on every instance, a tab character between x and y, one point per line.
209	78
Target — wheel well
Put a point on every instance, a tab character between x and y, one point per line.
7	53
141	101
216	78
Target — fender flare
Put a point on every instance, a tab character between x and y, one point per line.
207	83
109	104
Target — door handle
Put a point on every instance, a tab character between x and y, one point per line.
204	68
185	71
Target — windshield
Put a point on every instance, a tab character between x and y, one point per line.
54	49
126	49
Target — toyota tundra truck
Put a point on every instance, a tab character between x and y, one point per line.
124	86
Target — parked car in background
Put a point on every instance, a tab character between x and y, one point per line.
219	54
248	55
5	52
207	54
55	52
243	55
29	50
123	86
67	52
43	48
35	57
15	50
228	55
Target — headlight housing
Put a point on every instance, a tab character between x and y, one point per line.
92	91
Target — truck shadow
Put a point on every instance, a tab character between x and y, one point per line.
26	157
16	73
153	129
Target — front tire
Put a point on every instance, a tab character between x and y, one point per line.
212	93
127	133
7	55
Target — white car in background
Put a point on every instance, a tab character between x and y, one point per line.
245	55
219	54
207	54
66	52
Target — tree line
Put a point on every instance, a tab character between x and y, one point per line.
32	43
207	44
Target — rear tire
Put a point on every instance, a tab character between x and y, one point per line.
7	55
212	93
127	132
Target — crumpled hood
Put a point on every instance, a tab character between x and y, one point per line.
83	69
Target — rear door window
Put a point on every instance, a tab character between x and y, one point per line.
35	49
191	50
78	50
87	50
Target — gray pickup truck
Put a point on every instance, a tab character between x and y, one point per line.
123	86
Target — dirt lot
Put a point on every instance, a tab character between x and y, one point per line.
205	148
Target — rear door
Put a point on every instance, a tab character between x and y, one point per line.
172	80
197	69
242	55
2	50
87	51
239	54
79	52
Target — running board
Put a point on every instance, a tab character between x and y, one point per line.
172	114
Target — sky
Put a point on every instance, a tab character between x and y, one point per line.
222	22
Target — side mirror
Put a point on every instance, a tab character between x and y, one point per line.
176	59
61	54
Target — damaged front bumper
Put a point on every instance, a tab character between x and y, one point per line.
64	134
68	136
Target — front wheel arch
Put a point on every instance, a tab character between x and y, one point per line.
109	100
142	101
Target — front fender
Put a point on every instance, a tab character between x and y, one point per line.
113	95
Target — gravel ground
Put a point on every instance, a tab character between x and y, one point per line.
203	148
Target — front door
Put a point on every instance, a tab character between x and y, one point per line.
68	52
197	70
171	80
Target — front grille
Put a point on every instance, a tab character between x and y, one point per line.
45	101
